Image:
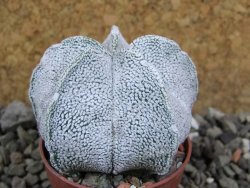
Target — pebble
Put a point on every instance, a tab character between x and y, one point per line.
96	180
211	185
195	124
190	168
214	113
31	179
135	181
229	126
193	135
214	132
34	167
244	117
117	180
16	157
18	182
15	114
228	183
45	184
43	175
246	145
234	144
15	170
4	139
4	155
28	150
222	160
13	146
210	180
3	185
228	171
226	137
246	156
236	168
24	136
35	154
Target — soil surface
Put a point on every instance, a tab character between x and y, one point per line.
215	33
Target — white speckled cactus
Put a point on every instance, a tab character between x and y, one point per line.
113	107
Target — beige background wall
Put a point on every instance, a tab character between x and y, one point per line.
215	33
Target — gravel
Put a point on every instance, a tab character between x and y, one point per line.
220	157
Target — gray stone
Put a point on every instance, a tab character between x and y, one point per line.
13	146
75	177
28	150
3	185
190	168
211	185
34	167
248	177
245	130
18	182
197	179
195	124
222	160
243	184
16	157
15	114
219	148
4	139
96	180
228	171
228	183
228	125
24	136
193	185
214	132
210	180
235	168
244	117
201	121
45	184
31	179
15	170
43	175
117	180
35	154
6	179
245	145
243	164
248	135
5	155
193	135
246	156
227	137
214	113
33	133
234	144
180	186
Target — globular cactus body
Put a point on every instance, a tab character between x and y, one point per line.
113	107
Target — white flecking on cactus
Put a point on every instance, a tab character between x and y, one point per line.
115	106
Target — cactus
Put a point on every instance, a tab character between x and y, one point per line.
115	106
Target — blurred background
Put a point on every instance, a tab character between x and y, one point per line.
215	33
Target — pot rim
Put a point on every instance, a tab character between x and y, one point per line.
187	145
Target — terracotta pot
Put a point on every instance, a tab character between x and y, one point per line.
58	181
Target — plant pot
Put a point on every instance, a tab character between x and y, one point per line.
58	181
